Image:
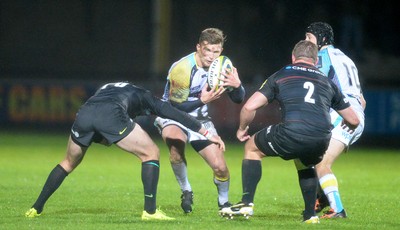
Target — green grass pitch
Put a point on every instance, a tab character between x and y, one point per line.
105	191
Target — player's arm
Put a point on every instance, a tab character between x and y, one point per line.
363	101
206	97
342	106
188	106
248	112
166	110
237	94
232	81
350	118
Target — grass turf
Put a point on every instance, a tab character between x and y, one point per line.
105	191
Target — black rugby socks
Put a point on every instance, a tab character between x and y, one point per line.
251	175
150	175
54	180
308	184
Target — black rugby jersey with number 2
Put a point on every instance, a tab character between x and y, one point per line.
305	96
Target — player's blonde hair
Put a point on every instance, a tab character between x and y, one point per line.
212	36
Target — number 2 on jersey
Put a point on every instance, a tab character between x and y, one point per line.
308	98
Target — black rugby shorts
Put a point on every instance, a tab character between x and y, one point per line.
95	122
272	141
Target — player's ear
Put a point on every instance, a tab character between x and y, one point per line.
293	58
316	62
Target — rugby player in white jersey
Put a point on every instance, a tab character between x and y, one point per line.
343	72
187	90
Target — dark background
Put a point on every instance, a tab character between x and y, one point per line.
91	40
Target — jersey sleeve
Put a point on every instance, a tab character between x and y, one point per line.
179	82
268	88
237	95
188	106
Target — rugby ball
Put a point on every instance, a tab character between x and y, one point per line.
214	71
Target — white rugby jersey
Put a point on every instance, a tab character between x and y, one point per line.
343	72
185	81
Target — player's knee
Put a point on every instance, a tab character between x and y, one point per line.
68	166
252	155
151	152
176	147
175	158
221	171
221	175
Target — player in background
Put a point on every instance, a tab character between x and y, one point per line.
305	96
343	72
187	90
106	118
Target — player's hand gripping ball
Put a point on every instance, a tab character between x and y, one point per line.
222	63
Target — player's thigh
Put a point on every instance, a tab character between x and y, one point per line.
175	138
334	150
214	157
74	156
173	132
139	143
251	151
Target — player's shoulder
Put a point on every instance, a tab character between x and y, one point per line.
185	64
337	55
333	51
188	60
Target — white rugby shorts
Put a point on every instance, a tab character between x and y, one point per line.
160	123
341	134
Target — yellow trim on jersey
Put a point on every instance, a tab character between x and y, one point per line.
180	78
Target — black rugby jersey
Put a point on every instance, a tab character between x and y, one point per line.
139	101
305	96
